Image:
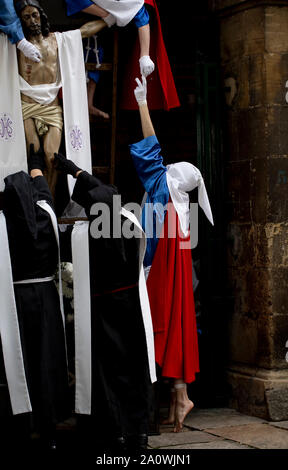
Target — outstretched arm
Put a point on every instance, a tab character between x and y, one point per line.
91	28
140	93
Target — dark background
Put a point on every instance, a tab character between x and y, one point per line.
192	132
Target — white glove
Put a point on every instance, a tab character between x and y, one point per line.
140	91
29	50
146	65
109	20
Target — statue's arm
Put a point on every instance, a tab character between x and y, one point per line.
91	28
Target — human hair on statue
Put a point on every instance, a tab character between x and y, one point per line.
21	4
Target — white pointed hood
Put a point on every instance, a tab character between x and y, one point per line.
182	178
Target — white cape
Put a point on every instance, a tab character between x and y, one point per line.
9	330
82	311
123	10
13	156
75	102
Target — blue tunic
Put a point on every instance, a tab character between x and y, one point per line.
10	24
152	173
75	6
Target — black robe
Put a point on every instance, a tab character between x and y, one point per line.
34	254
120	374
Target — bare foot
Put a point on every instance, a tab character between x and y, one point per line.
169	420
172	409
98	112
182	410
171	415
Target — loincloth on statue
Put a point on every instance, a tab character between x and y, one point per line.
43	115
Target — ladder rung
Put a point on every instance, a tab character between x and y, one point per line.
103	67
101	169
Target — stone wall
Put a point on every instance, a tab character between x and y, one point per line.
254	56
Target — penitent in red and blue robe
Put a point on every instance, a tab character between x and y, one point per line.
169	282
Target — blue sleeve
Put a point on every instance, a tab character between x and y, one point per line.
10	24
142	17
148	162
74	6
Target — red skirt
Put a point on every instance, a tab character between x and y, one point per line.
162	92
170	290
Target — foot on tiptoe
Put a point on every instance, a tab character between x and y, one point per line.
172	408
183	408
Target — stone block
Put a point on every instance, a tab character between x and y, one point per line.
223	4
277	401
238	193
259	436
280	424
242	34
277	135
249	74
261	251
218	417
231	38
252	286
276	234
259	192
276	68
217	444
276	27
243	337
265	343
252	133
172	439
277	210
259	392
241	240
279	334
247	394
231	137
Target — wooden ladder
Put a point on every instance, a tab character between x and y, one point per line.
110	67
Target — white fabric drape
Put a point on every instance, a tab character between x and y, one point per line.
123	10
43	93
9	330
13	156
82	317
75	102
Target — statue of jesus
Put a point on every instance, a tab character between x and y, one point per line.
40	83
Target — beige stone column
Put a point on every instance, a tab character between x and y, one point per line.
254	60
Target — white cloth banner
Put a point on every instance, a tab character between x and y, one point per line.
123	10
144	299
9	330
75	102
82	311
13	156
82	317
